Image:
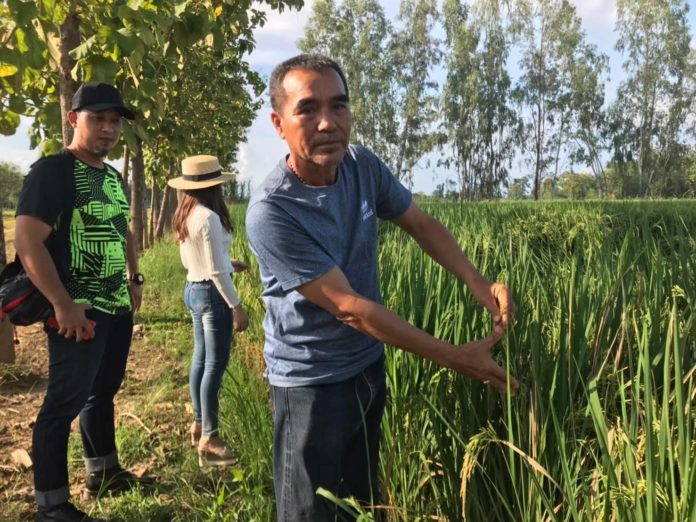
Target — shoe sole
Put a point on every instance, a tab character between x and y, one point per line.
204	463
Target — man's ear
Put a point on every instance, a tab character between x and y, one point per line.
72	118
277	124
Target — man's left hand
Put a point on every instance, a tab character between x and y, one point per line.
496	298
136	292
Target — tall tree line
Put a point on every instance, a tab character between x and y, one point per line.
437	82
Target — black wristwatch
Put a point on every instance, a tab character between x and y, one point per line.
137	278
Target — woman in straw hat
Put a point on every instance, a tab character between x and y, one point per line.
203	230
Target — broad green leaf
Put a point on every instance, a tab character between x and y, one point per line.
148	87
49	116
82	51
124	11
99	68
105	34
20	35
181	8
127	41
36	57
50	146
9	121
48	8
146	36
24	12
128	134
7	70
17	104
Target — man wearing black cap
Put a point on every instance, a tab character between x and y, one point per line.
73	240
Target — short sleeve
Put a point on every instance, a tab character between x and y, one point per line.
393	199
283	247
42	193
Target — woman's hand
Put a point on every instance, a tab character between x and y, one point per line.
240	318
239	266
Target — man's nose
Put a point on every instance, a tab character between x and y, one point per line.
109	126
326	121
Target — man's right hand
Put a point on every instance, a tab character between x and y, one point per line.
474	360
72	321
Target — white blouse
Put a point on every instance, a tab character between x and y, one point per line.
205	252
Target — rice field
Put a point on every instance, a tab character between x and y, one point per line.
604	346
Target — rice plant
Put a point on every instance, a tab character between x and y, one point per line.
603	345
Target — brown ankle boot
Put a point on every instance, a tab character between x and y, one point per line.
212	451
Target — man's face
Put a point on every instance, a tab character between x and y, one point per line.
315	117
96	132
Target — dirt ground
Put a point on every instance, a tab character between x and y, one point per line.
22	387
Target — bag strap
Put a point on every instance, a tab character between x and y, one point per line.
67	167
57	242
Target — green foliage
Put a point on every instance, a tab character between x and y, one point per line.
649	116
393	98
477	124
181	65
559	89
11	180
577	185
358	36
518	188
603	345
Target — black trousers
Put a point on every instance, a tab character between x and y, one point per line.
83	379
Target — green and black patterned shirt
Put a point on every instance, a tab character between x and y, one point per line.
97	235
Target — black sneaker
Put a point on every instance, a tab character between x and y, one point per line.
64	512
112	481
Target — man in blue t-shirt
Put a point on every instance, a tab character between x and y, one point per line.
313	228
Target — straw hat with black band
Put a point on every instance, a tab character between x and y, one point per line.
200	172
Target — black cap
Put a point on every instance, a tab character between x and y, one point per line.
97	97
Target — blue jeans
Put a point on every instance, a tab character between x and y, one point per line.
212	342
327	436
82	379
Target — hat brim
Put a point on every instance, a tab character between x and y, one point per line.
99	107
184	184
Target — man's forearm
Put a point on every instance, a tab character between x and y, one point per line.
131	254
377	321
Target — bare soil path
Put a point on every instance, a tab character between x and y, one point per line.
22	387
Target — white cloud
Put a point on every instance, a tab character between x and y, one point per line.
277	39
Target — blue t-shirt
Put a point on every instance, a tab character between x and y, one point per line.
298	233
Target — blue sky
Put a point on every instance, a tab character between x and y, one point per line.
276	41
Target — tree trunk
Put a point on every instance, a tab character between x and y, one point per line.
172	204
137	193
3	254
126	164
154	207
69	39
146	236
163	216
